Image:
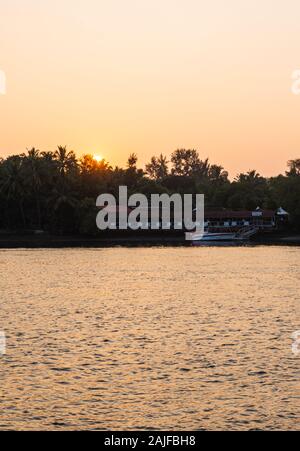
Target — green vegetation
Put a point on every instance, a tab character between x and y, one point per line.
56	192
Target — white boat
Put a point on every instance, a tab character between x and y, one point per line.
241	235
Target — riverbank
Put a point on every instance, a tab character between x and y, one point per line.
35	241
51	241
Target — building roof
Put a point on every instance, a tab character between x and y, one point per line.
242	214
282	212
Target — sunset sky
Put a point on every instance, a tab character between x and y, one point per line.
111	77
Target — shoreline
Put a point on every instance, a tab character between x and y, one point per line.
17	241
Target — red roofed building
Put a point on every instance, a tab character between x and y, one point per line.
234	220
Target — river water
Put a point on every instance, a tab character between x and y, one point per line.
150	338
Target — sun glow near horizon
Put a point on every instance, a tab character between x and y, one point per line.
98	158
149	76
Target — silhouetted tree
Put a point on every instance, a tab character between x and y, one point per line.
158	169
33	175
132	161
12	187
66	161
217	174
294	168
56	192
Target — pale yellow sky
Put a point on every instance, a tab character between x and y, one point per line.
112	77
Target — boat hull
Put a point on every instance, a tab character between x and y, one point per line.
216	237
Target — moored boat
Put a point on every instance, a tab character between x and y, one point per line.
241	235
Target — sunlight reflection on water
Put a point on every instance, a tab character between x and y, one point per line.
174	338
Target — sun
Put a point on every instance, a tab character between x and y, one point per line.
98	158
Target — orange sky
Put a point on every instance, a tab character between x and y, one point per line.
112	77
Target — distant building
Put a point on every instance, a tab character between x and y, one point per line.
234	220
216	219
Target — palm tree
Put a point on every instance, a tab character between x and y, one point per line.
34	177
47	156
12	184
66	160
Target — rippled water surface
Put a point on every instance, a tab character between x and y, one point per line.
157	338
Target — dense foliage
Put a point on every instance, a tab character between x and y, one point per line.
56	192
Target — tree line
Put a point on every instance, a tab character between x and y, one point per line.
56	191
